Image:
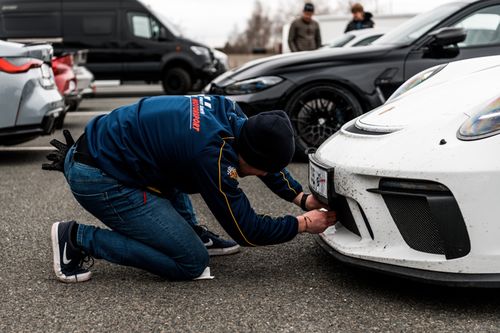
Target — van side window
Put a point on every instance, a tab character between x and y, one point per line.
143	26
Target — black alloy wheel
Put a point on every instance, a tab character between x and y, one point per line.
176	81
317	112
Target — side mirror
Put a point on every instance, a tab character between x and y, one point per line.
447	36
164	36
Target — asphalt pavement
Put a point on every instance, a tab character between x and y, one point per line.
293	287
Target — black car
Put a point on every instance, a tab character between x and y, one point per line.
322	90
125	39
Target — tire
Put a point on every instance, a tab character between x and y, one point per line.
59	123
73	105
317	112
176	81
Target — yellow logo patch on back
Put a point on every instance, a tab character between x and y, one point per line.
232	173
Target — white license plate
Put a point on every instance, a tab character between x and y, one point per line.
318	180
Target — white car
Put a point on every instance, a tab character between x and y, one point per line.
30	104
355	38
416	182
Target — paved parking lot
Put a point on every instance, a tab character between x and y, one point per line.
290	287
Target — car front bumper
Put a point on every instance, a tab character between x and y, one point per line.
420	275
451	229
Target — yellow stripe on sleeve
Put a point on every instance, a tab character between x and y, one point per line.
288	183
224	194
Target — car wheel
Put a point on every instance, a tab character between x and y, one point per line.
176	81
317	112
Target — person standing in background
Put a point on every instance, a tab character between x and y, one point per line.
360	19
304	34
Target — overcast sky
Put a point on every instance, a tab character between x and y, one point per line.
211	21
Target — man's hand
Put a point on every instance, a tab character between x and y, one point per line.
59	155
316	221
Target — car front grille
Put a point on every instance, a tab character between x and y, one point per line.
415	223
426	215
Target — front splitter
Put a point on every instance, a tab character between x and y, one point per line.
425	276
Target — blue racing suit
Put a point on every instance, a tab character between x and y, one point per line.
189	143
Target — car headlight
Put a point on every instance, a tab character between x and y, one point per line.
201	51
416	80
252	85
483	124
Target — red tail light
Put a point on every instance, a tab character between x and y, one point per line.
18	65
65	59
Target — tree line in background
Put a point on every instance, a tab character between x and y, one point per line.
263	30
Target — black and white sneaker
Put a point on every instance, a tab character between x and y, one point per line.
68	259
216	246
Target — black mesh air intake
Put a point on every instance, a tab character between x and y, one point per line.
427	216
415	223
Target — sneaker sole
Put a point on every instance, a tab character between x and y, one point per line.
224	251
57	260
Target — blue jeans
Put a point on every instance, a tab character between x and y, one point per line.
147	231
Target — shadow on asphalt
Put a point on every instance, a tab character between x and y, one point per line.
408	291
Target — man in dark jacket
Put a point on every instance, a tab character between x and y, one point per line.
133	168
304	34
360	19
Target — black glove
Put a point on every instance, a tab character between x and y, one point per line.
57	157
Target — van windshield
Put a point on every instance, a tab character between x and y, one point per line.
410	31
166	22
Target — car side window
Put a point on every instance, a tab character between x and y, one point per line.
482	27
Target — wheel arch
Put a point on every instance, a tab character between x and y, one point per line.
336	82
178	62
290	98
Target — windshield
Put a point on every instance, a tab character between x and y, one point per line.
415	28
166	22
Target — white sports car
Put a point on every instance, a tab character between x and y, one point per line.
416	182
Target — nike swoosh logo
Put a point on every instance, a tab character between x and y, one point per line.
65	257
209	243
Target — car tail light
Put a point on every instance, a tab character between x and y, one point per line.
19	65
65	59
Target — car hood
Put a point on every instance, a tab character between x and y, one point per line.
283	63
462	87
39	51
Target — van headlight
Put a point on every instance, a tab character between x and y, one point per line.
482	124
252	85
416	80
201	51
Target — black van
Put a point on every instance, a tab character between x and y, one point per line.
125	39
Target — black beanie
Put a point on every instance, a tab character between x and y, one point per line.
267	141
309	7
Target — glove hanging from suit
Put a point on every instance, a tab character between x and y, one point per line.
59	155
